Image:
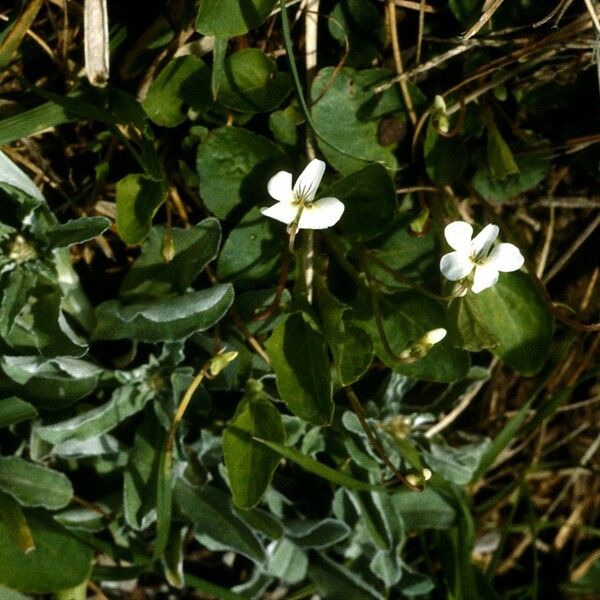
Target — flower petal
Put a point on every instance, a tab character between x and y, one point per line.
482	242
306	185
485	277
321	214
506	258
280	187
456	265
458	235
282	211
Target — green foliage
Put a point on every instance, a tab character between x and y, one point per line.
297	352
34	485
370	200
182	85
250	465
524	338
233	164
210	399
138	199
165	319
59	560
231	17
251	82
348	139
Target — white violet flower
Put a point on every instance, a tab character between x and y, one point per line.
298	202
474	254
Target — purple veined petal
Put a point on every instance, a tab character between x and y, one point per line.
482	242
485	277
282	211
321	214
280	187
307	184
458	235
505	258
456	265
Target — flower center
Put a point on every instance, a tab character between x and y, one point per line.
302	194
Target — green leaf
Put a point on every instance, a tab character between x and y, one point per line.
373	518
350	346
336	582
34	485
287	562
250	466
125	402
263	521
151	277
184	83
445	158
173	557
348	142
501	161
456	464
138	199
387	565
283	125
406	317
252	250
532	169
361	25
76	231
298	357
163	319
32	121
370	199
16	523
210	510
51	384
424	510
314	466
234	166
414	257
218	64
467	326
516	315
59	560
317	534
251	82
14	410
51	331
231	17
12	175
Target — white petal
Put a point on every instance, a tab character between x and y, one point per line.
458	235
482	242
435	336
280	187
506	258
485	277
321	214
282	211
456	265
309	180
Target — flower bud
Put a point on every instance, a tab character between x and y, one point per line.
422	346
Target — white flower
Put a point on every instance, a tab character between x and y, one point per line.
475	254
316	214
435	336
